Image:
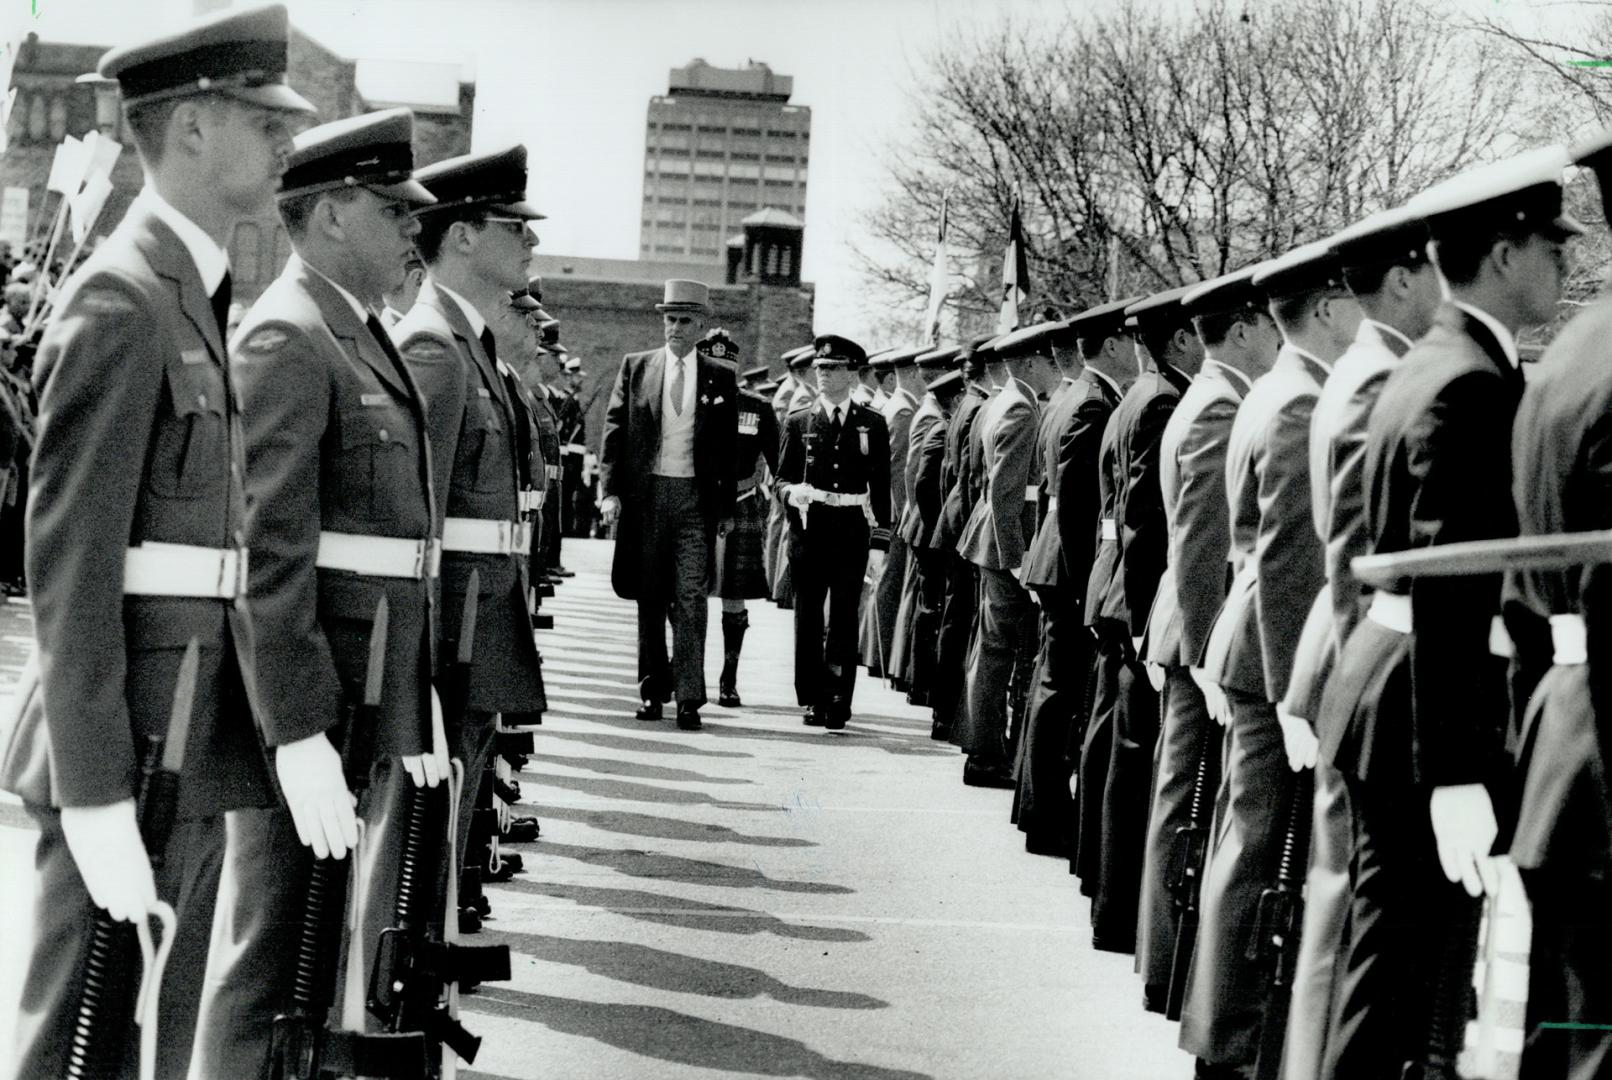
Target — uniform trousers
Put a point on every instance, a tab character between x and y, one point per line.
1190	737
59	944
1225	998
1006	623
674	568
1043	809
1326	921
926	624
901	643
827	559
956	634
1569	977
1127	791
1096	748
881	604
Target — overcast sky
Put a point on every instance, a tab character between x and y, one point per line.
572	79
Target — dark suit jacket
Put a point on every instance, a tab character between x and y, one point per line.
1138	508
1438	471
474	450
335	441
632	440
1061	554
898	416
138	441
1002	521
916	519
955	508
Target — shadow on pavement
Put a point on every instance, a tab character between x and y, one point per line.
659	969
663	828
626	789
615	767
660	866
649	746
908	745
686	914
668	1035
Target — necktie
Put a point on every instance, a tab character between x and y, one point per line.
488	345
834	423
385	341
677	388
221	302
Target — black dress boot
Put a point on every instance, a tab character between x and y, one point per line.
734	624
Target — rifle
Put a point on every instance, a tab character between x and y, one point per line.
1277	926
104	1002
1186	876
304	1046
411	986
1549	551
1453	1001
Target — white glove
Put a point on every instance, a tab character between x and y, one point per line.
610	509
430	768
1299	739
798	496
1074	784
1155	677
1213	697
875	564
317	796
542	497
1464	827
111	858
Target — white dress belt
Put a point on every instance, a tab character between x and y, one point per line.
1052	503
1568	640
1110	529
1393	611
1032	493
379	556
573	448
158	569
486	536
532	499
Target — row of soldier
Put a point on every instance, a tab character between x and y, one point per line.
1132	534
283	590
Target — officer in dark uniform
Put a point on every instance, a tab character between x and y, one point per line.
573	422
1418	700
341	514
834	469
136	540
477	243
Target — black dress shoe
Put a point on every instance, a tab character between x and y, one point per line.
835	721
544	588
940	732
688	718
469	920
728	699
649	710
814	717
561	572
522	830
993	775
542	622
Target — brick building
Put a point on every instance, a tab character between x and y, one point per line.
51	104
606	307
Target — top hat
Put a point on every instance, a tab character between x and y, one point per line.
683	294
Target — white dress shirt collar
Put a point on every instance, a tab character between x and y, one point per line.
1508	344
211	261
843	408
477	323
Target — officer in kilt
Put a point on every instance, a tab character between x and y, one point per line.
740	569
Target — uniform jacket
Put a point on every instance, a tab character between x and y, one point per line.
632	439
1060	554
858	461
955	508
916	521
1138	509
1003	520
782	395
1438	471
139	441
1337	499
335	442
1274	546
474	430
898	412
1192	483
804	394
758	436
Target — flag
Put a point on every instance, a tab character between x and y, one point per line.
85	207
100	153
1015	275
938	280
67	168
6	106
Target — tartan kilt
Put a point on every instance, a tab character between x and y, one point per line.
743	574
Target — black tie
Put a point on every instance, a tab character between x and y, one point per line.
221	302
385	341
488	345
834	424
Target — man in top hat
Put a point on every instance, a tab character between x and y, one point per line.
912	655
1416	713
834	471
477	242
667	468
740	572
883	599
340	514
138	446
1240	340
960	607
1250	655
1387	268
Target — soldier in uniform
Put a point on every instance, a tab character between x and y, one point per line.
1125	703
740	575
918	613
477	241
1240	341
340	514
883	601
796	392
136	546
400	299
1386	266
574	511
834	468
1416	713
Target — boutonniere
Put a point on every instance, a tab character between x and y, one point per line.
706	399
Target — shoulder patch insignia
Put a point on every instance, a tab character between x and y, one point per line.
424	348
104	302
266	340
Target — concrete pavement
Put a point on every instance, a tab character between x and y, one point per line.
761	898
